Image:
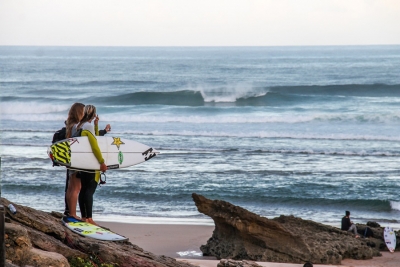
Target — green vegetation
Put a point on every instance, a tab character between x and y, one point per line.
94	262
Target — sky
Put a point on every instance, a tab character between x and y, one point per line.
199	23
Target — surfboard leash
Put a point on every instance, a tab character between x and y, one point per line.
101	180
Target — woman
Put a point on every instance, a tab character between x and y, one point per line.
88	180
75	115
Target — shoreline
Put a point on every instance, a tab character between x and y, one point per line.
182	241
205	221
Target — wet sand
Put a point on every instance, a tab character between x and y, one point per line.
183	243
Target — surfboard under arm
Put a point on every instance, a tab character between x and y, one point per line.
76	153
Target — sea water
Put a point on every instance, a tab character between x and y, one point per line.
307	131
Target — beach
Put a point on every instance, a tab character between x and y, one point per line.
183	241
303	131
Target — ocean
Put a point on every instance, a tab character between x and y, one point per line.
303	131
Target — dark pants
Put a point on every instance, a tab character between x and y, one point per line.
88	188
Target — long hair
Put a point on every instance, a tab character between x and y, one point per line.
74	116
88	113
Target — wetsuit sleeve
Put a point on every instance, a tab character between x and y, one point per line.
95	147
96	130
97	176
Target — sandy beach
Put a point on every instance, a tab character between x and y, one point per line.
183	243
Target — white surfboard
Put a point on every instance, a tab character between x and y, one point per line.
390	238
117	152
90	230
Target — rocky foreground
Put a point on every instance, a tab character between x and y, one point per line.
240	234
37	238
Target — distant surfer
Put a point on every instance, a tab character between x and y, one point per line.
348	225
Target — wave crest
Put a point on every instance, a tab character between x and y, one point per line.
244	95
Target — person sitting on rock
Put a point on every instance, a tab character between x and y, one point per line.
348	225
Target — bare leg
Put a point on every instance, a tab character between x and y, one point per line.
74	187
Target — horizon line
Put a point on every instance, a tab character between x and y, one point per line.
199	46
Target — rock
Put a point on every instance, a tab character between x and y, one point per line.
38	238
243	235
377	241
373	224
9	264
19	249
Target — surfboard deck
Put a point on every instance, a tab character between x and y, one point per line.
390	238
90	230
76	153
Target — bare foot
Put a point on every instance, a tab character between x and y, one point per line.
90	220
357	236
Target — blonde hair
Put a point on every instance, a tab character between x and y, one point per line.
88	113
74	116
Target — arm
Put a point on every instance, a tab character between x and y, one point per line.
106	130
95	149
96	129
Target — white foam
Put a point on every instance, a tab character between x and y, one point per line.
230	93
254	116
34	117
192	253
271	134
15	108
395	205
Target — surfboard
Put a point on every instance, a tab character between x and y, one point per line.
90	230
117	152
390	238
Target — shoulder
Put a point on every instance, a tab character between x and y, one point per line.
88	127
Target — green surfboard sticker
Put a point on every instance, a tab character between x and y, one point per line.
120	157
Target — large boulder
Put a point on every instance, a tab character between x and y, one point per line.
243	235
19	248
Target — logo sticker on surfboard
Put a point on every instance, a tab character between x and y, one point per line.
117	141
61	152
120	157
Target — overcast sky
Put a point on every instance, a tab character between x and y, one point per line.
199	23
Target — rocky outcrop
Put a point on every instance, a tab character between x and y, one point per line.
243	235
19	248
37	238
